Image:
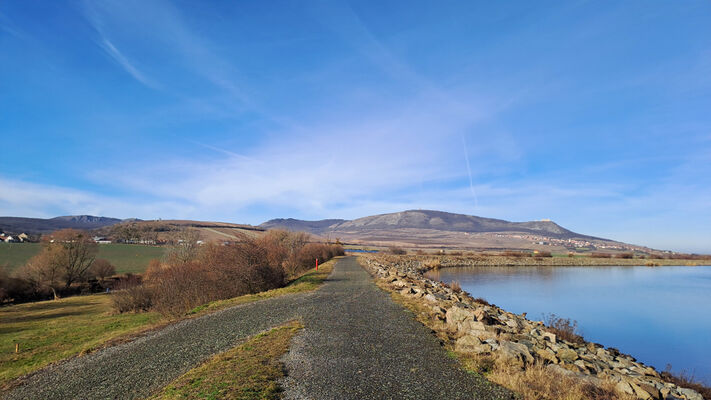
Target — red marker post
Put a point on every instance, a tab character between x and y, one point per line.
317	264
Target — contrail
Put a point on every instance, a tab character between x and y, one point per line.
469	171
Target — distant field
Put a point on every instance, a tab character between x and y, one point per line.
125	257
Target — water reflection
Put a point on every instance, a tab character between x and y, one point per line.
659	315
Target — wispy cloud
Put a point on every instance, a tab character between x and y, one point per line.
20	198
125	63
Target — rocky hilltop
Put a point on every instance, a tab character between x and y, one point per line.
425	219
429	228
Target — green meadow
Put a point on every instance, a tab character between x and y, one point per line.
125	257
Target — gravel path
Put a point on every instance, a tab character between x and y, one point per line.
357	344
138	368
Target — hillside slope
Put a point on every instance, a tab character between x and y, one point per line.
46	225
425	220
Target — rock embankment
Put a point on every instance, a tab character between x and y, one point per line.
476	328
483	260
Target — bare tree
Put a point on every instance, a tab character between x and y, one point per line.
74	251
185	247
42	272
65	258
101	269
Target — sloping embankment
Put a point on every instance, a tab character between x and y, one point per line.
476	328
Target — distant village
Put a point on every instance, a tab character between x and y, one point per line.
7	238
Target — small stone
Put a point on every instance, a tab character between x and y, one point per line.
639	392
690	394
471	344
567	355
469	325
457	314
547	355
653	391
550	336
514	354
624	387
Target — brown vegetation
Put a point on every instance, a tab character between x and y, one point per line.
131	296
684	379
515	254
65	258
540	383
191	276
455	286
101	269
564	328
398	251
600	255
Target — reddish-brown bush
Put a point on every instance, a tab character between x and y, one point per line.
564	328
455	286
396	250
542	254
601	255
101	269
131	295
628	255
222	271
515	254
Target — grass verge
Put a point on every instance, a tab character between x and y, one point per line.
49	331
249	371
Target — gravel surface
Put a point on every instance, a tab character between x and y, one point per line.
357	344
140	367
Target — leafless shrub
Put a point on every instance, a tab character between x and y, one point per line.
542	254
130	295
687	380
397	250
455	286
482	301
627	255
564	328
101	269
432	263
515	254
601	255
184	248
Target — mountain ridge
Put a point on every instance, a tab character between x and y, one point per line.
46	225
429	220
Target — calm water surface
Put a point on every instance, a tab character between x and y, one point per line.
659	315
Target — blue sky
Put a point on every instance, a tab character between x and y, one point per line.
594	114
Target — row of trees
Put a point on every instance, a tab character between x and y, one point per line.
190	276
67	257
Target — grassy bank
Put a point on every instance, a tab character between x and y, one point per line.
49	331
125	257
248	371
